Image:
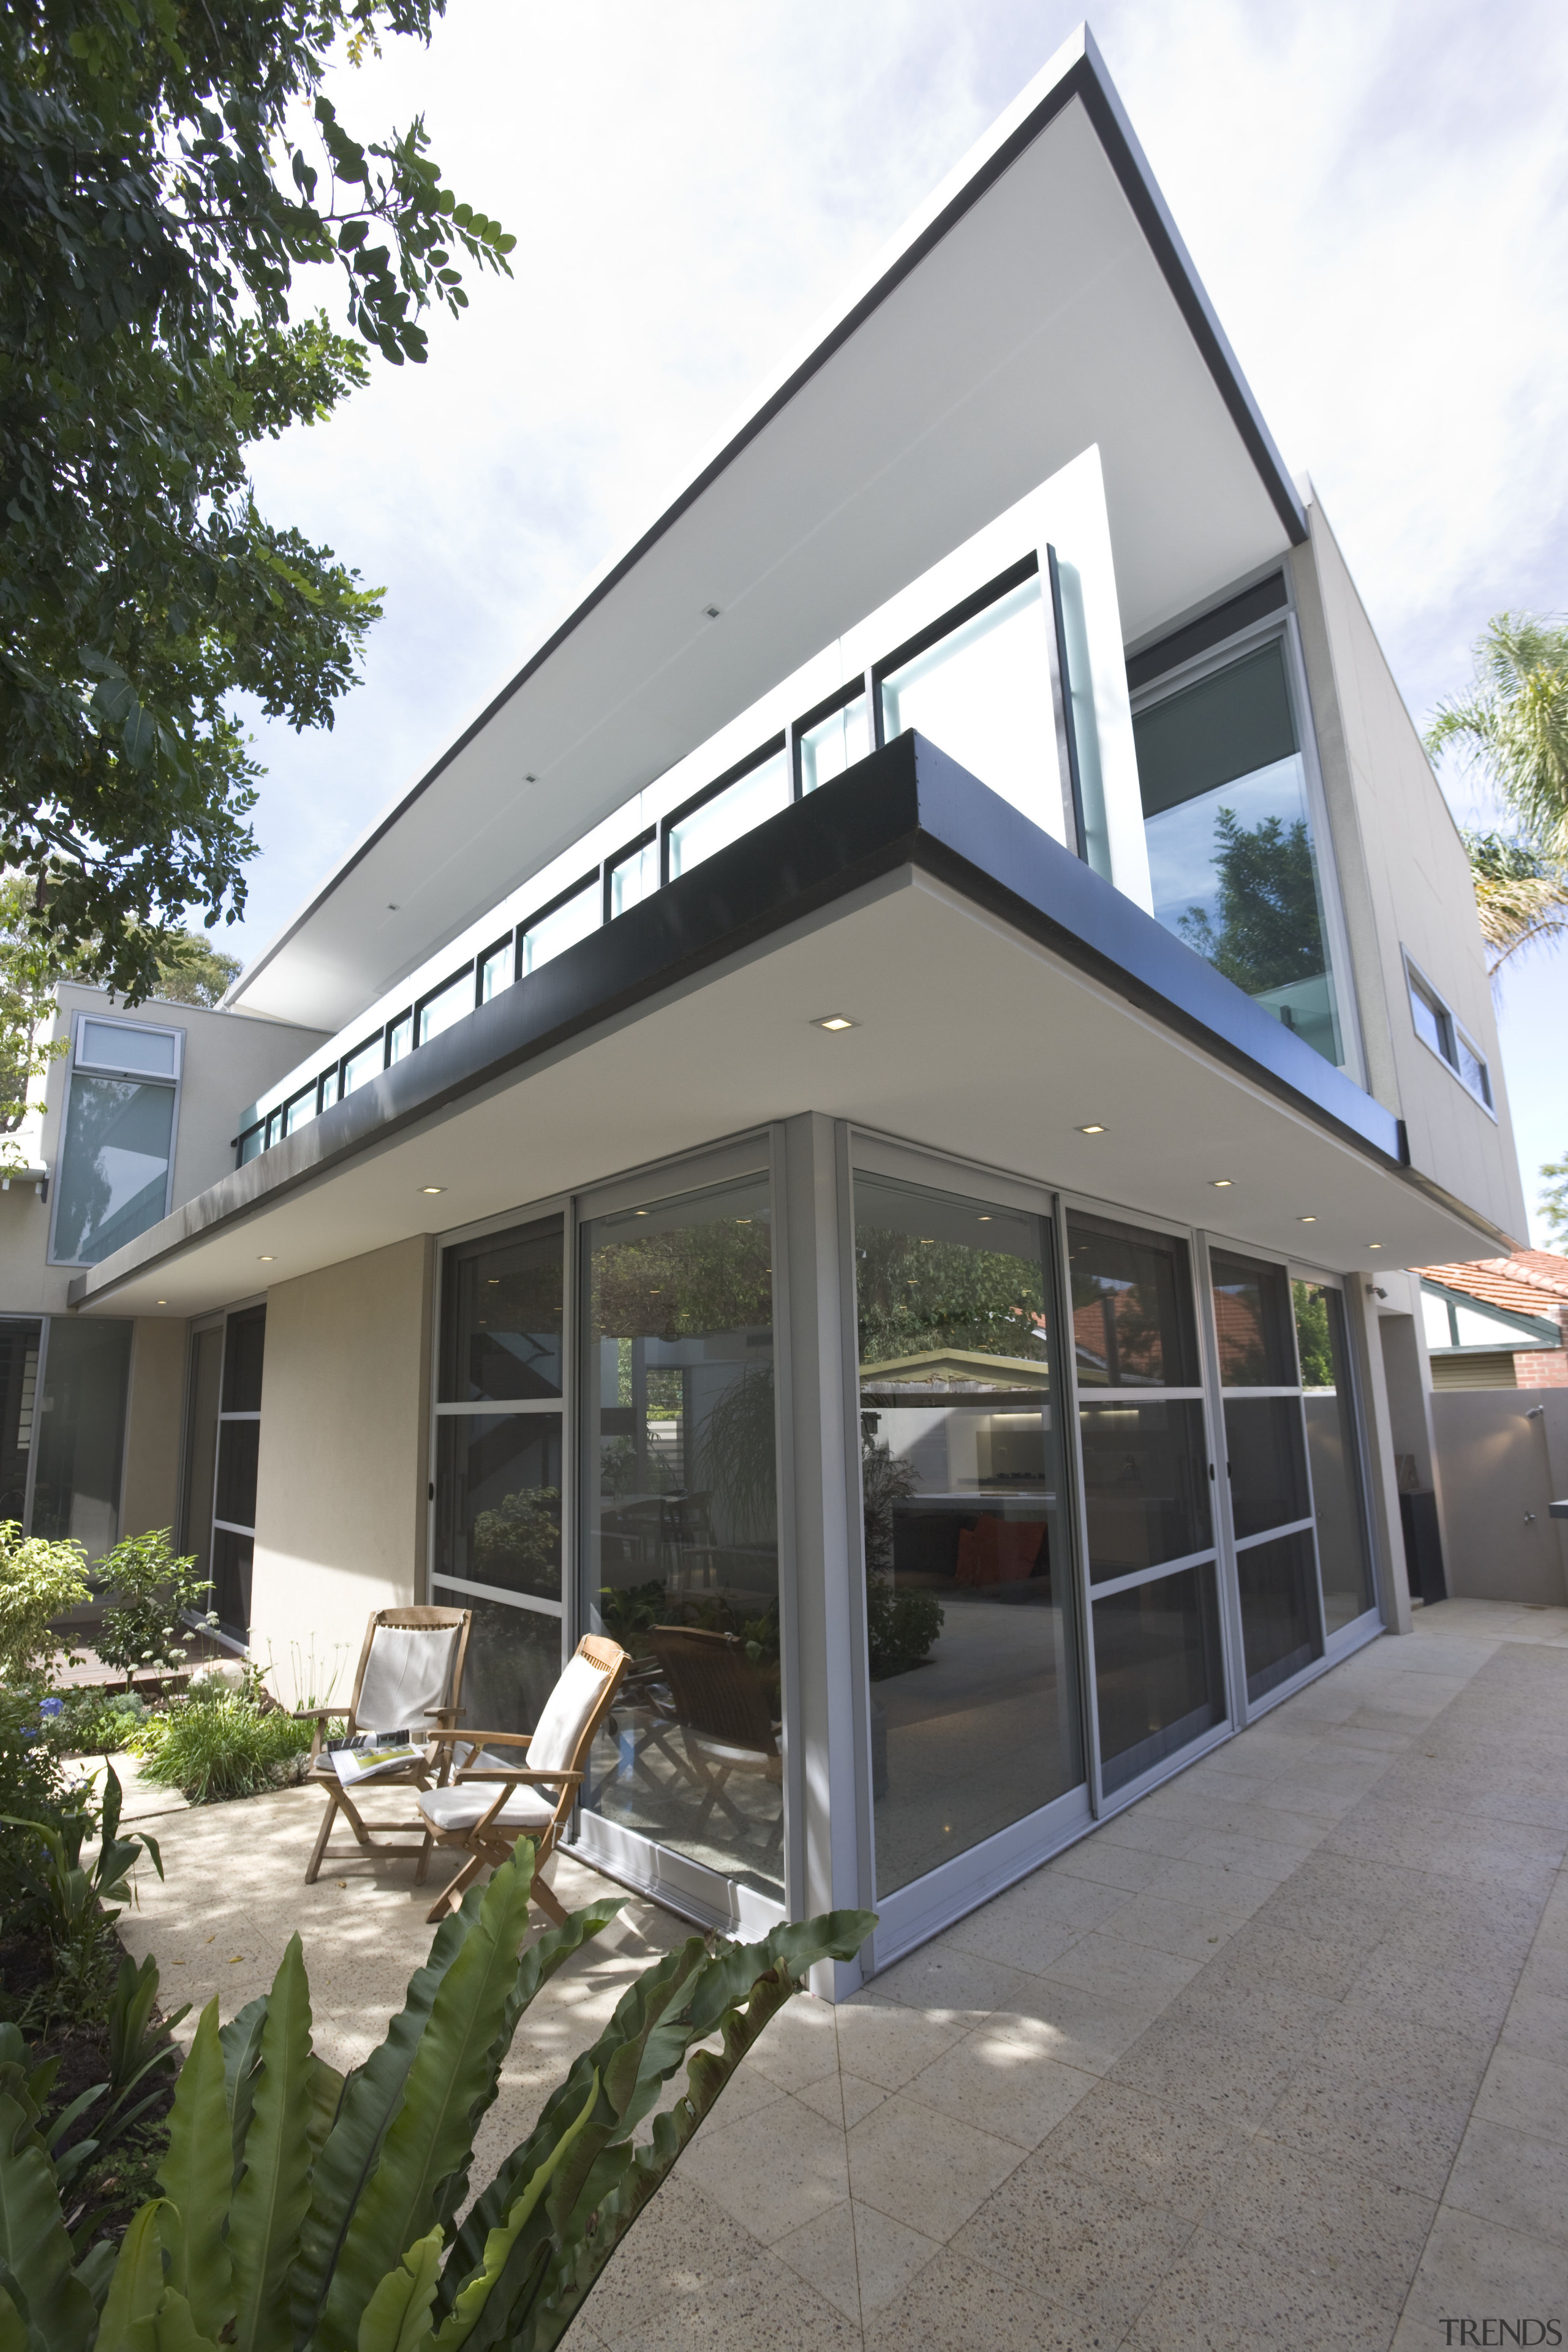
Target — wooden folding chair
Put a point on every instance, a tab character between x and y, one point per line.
532	1798
410	1674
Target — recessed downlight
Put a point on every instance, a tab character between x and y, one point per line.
1094	1127
432	1187
1374	1245
833	1022
1222	1183
265	1259
1306	1221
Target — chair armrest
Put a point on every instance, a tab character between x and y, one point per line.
520	1778
481	1738
316	1714
446	1714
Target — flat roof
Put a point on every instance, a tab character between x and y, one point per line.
1040	301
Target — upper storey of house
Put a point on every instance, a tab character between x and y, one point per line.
1015	499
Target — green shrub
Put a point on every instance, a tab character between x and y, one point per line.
77	1894
38	1581
304	2212
222	1745
144	1632
32	1787
93	1722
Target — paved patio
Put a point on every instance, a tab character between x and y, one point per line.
1277	2058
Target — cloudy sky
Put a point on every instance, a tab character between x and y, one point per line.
1373	191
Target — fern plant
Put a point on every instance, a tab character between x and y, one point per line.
303	2212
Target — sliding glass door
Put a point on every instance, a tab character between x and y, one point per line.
1148	1524
679	1545
970	1586
497	1536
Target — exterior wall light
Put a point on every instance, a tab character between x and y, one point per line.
834	1021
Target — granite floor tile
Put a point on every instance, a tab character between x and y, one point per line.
1120	1965
889	2257
822	2252
1165	1923
772	2172
1532	2093
1509	2176
1099	2254
1000	2084
888	2042
1340	2119
1536	2026
1470	2267
1172	2156
953	2305
1087	2029
1403	2055
1362	2233
926	2170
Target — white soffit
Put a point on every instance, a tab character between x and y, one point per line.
967	370
1030	1051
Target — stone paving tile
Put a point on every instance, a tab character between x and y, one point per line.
1099	2252
1073	2121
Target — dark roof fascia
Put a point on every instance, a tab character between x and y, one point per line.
1087	78
1537	1328
907	806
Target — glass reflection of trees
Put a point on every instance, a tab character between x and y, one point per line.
919	1296
1270	929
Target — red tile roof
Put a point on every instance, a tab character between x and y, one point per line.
1530	1282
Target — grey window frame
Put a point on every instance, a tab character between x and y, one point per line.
1417	984
107	1070
1281	626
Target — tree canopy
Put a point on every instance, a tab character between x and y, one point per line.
166	169
1270	931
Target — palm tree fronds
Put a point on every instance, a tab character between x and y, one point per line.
1515	723
1521	897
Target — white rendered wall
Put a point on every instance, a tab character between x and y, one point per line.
341	1508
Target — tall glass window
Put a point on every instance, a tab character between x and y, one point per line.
366	1063
1231	854
117	1138
1333	1452
969	1580
81	1432
983	695
679	1541
239	1457
749	801
498	1534
1159	1681
1266	1463
20	1341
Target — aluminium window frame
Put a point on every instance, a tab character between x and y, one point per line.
1417	983
777	746
107	1070
470	971
647	839
1281	625
592	878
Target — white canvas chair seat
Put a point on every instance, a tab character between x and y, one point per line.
464	1804
409	1679
734	1759
512	1784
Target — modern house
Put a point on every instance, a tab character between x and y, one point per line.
860	1109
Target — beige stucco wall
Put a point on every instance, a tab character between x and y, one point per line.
1504	1456
341	1510
1404	883
149	1491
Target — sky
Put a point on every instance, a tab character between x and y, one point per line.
1373	192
